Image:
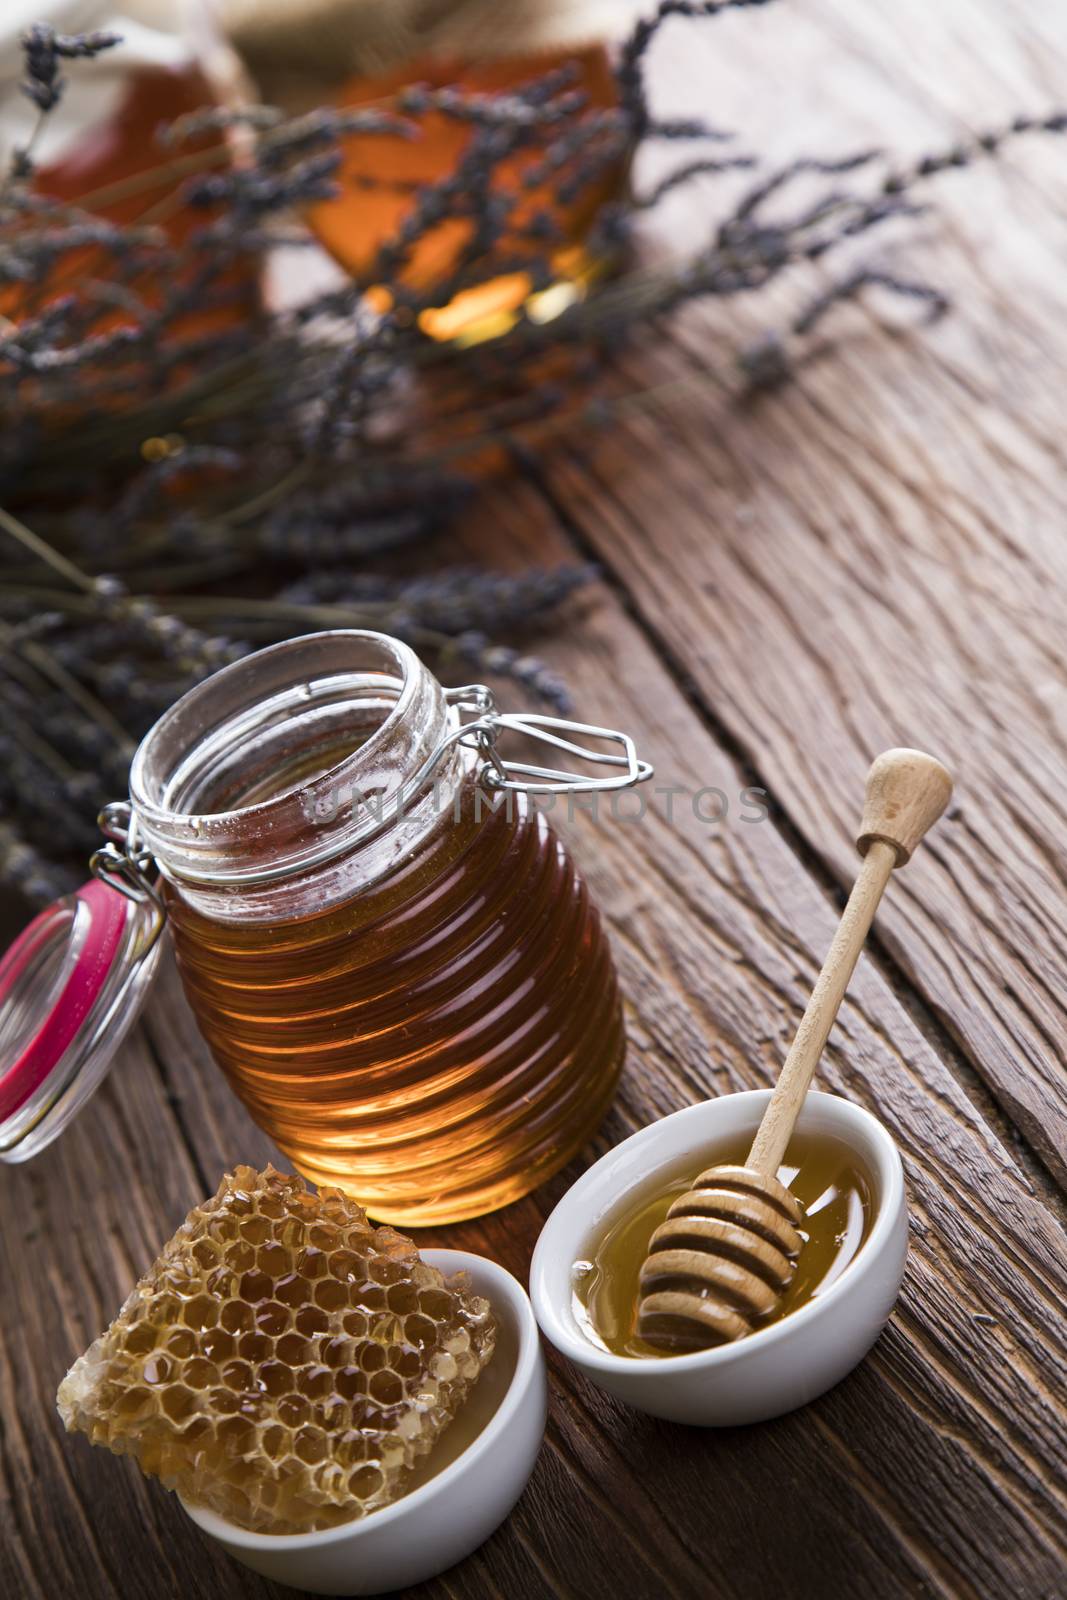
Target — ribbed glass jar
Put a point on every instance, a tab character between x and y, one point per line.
416	1001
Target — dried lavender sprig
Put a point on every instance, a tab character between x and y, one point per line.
682	128
692	169
475	647
574	142
197	652
34	628
705	280
50	674
191	649
630	70
215	119
31	256
374	511
43	49
769	360
895	186
513	110
501	661
119	342
57	738
822	166
21	202
53	322
457	600
469	191
849	287
967	151
41	799
325	127
293	538
750	254
254	191
756	255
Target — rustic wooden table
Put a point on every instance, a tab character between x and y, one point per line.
874	555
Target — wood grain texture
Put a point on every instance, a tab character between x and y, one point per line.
937	1468
741	637
876	554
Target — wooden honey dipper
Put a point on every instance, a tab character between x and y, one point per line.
728	1248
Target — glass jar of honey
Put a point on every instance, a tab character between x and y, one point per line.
523	197
390	952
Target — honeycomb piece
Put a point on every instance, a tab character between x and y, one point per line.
283	1362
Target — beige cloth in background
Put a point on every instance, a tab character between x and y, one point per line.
333	39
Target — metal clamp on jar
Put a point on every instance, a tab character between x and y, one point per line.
388	949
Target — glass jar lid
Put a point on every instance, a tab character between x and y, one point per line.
71	985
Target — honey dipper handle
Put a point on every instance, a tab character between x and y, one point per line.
906	793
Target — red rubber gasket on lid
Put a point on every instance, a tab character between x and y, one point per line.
107	921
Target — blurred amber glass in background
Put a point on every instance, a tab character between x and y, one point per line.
379	172
115	169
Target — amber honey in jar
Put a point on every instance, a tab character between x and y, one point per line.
394	960
825	1175
369	56
98	151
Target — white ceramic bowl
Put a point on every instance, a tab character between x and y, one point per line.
460	1495
779	1367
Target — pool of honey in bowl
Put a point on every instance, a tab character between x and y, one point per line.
823	1173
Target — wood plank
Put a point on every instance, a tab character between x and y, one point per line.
875	555
933	1469
938	1467
720	933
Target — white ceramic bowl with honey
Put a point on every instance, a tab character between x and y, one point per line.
776	1368
458	1496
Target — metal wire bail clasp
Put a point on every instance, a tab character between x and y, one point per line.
122	865
523	776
